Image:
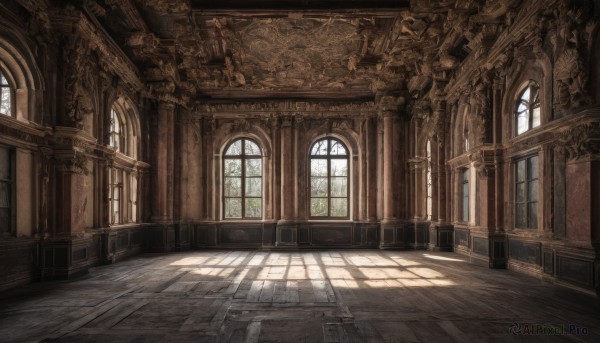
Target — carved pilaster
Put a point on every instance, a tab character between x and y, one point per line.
45	156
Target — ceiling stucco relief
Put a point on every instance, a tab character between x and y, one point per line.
423	51
294	54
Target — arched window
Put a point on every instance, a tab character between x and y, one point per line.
122	182
527	111
6	97
329	179
428	180
117	132
242	180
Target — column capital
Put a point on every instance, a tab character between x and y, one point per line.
390	105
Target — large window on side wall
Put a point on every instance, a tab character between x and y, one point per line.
464	181
428	182
122	182
526	192
527	112
329	170
6	95
242	180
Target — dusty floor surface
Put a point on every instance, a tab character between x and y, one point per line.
312	296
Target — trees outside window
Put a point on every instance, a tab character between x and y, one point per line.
242	180
329	195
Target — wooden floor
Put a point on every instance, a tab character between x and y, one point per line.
317	296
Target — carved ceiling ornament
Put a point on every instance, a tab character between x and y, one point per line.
425	52
573	39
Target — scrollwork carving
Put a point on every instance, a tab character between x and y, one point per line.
582	141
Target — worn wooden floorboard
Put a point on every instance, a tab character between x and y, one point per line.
312	296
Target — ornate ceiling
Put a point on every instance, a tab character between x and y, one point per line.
297	48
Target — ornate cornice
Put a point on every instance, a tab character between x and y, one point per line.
69	21
275	108
13	129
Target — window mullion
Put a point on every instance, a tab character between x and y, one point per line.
243	190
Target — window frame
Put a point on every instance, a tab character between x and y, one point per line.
428	182
243	157
531	105
465	214
117	117
328	157
119	188
526	182
11	93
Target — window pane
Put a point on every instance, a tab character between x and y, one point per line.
235	148
320	148
465	209
429	182
532	209
318	207
251	148
3	81
339	187
532	192
254	167
522	122
318	167
521	192
520	218
526	93
5	101
253	207
429	205
533	168
253	186
318	186
233	186
339	167
339	207
523	106
521	171
233	208
337	148
117	123
536	117
233	167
